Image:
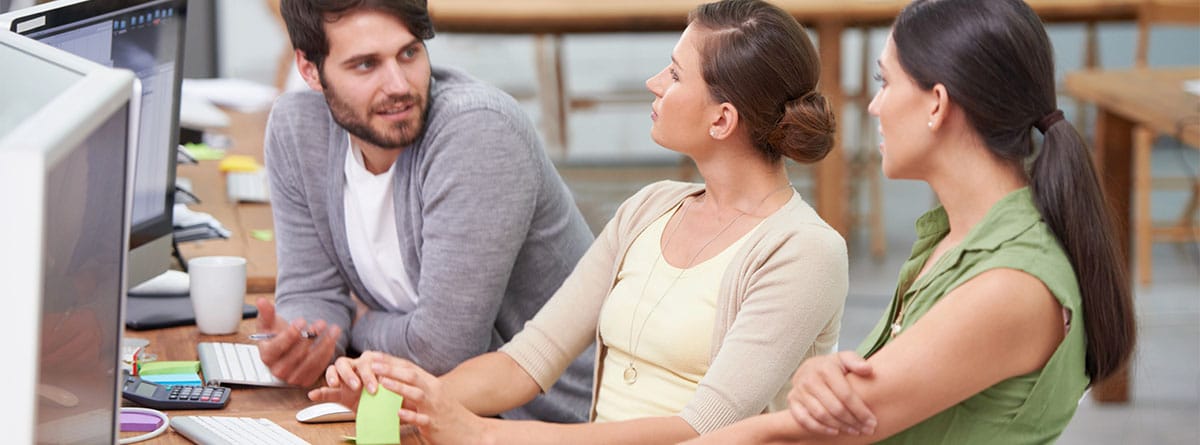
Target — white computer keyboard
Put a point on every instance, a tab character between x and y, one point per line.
221	430
247	186
234	364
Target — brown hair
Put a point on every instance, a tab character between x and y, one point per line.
760	60
996	63
305	20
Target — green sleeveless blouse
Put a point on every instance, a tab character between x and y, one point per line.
1029	409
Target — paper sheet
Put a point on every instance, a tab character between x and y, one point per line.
241	95
1192	86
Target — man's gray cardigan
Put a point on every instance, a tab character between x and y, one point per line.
487	228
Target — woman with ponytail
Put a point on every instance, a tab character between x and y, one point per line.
1015	299
702	299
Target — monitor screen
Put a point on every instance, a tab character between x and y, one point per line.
146	37
65	162
82	290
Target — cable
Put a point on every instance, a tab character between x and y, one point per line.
177	254
195	199
157	431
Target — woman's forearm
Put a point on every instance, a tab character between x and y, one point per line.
774	428
490	384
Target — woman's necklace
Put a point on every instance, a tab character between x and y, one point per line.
897	324
631	372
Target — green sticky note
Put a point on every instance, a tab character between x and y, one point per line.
168	367
203	152
262	235
376	422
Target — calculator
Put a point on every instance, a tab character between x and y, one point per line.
154	395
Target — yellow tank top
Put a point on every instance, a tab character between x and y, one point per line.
666	323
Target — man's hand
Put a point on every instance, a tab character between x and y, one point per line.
289	355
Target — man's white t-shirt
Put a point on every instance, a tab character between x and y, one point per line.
371	233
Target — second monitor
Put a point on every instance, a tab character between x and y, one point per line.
146	37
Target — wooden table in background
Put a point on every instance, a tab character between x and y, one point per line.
246	132
1155	99
549	19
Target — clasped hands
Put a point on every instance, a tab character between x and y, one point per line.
822	400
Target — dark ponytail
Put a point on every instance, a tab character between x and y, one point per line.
1067	192
996	63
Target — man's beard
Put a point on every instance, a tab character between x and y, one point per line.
405	132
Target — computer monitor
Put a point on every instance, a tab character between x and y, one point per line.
146	37
66	156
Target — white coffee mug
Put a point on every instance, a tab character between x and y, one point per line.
218	290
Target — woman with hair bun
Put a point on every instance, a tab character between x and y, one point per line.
1015	299
702	299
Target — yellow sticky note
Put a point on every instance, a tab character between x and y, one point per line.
262	235
239	163
376	422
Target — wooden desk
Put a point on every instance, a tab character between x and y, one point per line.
277	404
208	183
1152	98
829	18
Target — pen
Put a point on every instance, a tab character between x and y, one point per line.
258	336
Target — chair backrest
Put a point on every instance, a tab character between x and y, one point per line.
1162	12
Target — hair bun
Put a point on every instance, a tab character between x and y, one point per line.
805	131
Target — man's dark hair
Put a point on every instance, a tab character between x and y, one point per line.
306	21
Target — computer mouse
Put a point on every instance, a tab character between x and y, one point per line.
324	413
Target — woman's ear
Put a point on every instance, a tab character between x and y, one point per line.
726	121
940	108
309	72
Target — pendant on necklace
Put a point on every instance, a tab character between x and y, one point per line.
630	374
896	329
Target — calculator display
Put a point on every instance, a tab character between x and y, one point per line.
144	390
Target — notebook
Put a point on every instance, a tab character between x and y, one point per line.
153	312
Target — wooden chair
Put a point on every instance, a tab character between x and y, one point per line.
1146	232
284	61
866	175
